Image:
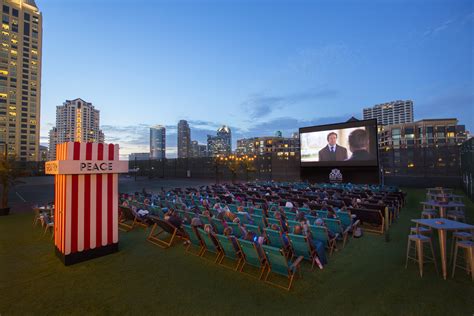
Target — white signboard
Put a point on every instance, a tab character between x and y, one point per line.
86	166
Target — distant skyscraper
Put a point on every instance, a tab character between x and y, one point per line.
281	146
184	139
395	112
221	144
198	150
157	142
76	121
20	78
53	136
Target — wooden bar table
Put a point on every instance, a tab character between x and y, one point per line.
442	207
443	225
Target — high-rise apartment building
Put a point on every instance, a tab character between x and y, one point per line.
281	146
198	150
76	121
157	142
20	78
184	139
395	112
221	144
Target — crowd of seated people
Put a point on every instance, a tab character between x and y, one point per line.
269	205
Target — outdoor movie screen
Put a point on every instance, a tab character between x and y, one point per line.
343	144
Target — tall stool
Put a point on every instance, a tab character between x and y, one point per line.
419	242
468	246
459	236
420	230
457	216
429	213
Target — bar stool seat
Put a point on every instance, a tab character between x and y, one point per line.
459	236
428	213
457	216
420	230
468	247
419	242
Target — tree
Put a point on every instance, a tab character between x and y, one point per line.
8	179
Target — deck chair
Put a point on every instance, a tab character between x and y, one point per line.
252	257
258	220
237	232
301	247
322	214
156	211
128	219
194	240
210	244
335	226
272	221
205	219
229	251
311	218
291	225
253	229
346	221
279	264
243	218
258	211
275	238
161	226
320	233
290	216
218	225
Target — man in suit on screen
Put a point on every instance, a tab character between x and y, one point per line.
332	152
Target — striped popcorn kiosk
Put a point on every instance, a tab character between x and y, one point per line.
86	200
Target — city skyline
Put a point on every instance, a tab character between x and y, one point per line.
279	77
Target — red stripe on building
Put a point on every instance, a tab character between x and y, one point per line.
110	196
100	152
74	215
98	213
87	211
110	207
77	151
87	201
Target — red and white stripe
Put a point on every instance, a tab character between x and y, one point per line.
86	205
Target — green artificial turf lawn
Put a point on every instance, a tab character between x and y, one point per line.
367	277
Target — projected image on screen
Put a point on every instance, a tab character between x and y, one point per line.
339	146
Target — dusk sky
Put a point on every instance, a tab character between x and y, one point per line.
257	66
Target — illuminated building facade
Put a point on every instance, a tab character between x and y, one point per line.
395	112
76	121
184	139
20	78
221	144
157	142
425	147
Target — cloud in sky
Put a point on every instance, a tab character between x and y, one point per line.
433	31
262	105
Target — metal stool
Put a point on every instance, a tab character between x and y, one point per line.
420	241
420	230
459	236
468	246
457	216
429	214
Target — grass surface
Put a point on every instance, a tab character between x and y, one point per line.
368	277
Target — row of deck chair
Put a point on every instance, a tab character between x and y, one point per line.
240	255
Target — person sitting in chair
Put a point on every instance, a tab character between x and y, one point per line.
332	152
